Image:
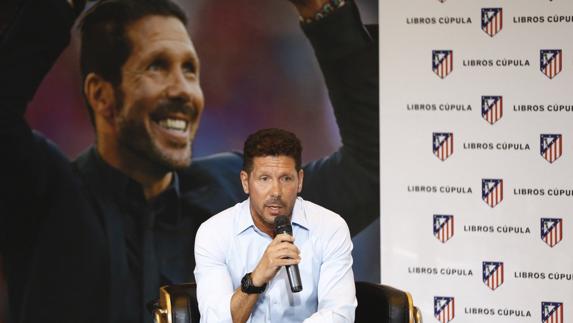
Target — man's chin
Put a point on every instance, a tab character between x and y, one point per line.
170	159
175	163
270	218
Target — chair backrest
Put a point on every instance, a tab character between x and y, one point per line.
384	304
376	303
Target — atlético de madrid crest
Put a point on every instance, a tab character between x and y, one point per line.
552	312
443	227
551	231
551	62
442	62
443	144
551	146
491	20
444	308
492	108
493	275
492	191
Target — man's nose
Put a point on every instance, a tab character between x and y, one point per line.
179	86
276	189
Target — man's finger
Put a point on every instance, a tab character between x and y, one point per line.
286	253
283	237
287	262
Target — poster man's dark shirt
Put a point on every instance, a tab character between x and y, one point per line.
154	235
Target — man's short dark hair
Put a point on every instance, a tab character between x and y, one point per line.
271	142
105	46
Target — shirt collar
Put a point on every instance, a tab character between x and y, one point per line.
113	179
125	188
299	216
245	220
118	180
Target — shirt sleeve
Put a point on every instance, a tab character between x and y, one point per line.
29	46
336	289
347	182
214	284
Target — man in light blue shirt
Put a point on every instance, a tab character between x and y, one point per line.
239	259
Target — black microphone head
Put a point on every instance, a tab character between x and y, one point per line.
282	225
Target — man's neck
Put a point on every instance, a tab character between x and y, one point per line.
152	179
266	229
270	230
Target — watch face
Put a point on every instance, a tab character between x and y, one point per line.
246	283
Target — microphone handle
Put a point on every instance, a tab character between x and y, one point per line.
292	271
294	278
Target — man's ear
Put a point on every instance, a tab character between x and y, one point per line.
101	97
300	178
245	181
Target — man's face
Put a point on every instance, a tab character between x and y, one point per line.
272	185
159	100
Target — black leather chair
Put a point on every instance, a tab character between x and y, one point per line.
177	304
376	303
385	304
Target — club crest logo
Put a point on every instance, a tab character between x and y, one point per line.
492	274
551	146
443	144
551	62
492	191
443	227
551	231
491	20
442	62
551	312
491	108
444	308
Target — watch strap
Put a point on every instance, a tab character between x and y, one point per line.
248	287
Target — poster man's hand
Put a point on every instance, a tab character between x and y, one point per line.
308	8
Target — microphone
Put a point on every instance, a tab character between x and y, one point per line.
282	225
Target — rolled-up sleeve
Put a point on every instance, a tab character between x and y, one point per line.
214	284
336	289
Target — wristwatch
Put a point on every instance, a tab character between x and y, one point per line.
248	287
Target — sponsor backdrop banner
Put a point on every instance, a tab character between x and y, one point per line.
477	158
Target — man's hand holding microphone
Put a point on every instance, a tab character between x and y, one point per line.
280	252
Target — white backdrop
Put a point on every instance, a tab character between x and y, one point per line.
477	222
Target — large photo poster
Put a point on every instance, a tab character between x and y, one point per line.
258	70
476	158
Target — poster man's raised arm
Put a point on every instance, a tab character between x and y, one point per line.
347	182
